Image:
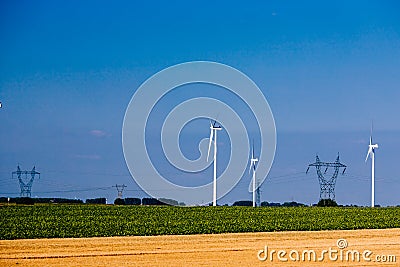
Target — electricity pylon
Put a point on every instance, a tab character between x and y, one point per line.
24	183
327	186
120	189
258	197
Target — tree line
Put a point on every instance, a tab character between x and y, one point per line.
152	201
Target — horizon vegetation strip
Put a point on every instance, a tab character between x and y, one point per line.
53	221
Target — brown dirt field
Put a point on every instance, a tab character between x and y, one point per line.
200	250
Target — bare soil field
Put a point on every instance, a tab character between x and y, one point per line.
357	248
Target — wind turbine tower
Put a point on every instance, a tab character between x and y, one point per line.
253	162
371	153
213	134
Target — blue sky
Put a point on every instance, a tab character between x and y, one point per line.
69	68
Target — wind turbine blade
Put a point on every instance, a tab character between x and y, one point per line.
209	144
372	129
251	165
369	152
252	151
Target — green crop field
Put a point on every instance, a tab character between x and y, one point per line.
49	221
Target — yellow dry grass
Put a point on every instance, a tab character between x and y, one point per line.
201	250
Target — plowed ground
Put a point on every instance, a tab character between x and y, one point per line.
203	250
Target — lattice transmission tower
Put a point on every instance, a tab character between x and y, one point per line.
120	189
327	186
25	183
258	197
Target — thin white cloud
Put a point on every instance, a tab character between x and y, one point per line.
98	133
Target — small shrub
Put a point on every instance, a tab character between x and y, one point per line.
245	203
132	201
119	201
327	203
25	200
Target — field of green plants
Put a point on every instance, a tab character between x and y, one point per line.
56	220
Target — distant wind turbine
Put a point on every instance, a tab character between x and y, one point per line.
371	153
213	134
253	162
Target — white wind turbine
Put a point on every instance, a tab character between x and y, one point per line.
371	153
213	133
253	162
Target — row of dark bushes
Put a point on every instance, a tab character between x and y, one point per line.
148	201
151	201
29	201
248	203
101	200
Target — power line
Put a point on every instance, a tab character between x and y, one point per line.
327	186
120	189
25	184
67	191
